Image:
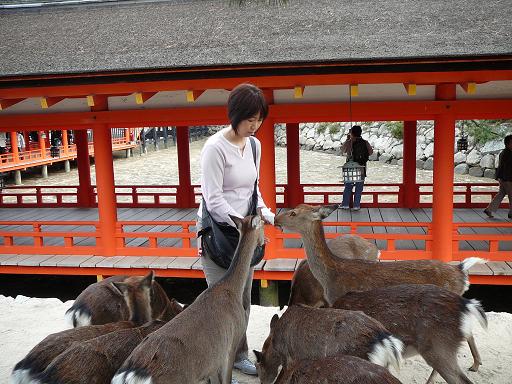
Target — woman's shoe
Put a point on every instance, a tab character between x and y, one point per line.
246	366
356	208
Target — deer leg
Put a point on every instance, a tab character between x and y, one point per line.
447	366
227	369
477	360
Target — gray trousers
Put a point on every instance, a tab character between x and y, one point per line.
213	274
505	190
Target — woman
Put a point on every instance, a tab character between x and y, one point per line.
228	173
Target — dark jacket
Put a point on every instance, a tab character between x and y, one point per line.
504	171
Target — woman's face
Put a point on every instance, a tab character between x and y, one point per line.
249	126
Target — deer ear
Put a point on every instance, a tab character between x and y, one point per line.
237	221
119	287
326	210
148	280
259	355
255	222
176	307
274	321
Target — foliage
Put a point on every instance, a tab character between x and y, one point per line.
332	128
395	128
486	130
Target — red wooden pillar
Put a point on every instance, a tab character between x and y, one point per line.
65	141
42	143
410	190
294	195
85	195
185	193
14	147
106	188
442	207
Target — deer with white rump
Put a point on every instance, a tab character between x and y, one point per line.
339	276
312	333
53	345
200	343
431	321
103	302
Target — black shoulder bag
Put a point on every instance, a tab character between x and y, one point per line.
220	240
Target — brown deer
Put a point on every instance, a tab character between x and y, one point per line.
339	276
104	302
430	320
43	353
307	290
312	333
200	343
336	369
95	360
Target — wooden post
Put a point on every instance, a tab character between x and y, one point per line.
14	147
185	195
85	195
410	190
442	207
65	143
42	143
294	195
106	188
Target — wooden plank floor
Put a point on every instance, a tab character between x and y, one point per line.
189	214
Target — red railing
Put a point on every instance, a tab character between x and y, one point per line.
466	195
177	238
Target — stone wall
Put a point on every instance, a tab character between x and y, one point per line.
479	160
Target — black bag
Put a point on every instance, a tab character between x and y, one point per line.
220	240
360	152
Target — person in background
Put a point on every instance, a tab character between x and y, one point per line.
21	144
3	145
504	177
359	150
228	174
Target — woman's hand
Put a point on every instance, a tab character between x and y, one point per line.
267	215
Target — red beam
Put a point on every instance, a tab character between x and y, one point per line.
278	82
280	113
6	103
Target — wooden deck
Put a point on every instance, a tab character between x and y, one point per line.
187	266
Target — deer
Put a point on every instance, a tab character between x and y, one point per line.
338	276
103	302
200	343
307	290
335	369
53	345
429	320
95	360
305	332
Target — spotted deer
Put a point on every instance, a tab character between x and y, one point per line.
335	369
104	302
200	343
95	360
339	276
307	290
312	333
429	320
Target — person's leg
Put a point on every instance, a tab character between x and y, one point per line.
508	189
496	201
357	194
347	195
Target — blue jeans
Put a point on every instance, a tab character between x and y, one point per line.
347	194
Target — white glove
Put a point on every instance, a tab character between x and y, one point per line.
268	215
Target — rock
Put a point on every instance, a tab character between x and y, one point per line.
419	163
493	147
487	161
496	161
385	158
400	162
459	157
429	164
398	151
393	161
490	173
461	169
473	158
476	171
429	150
374	156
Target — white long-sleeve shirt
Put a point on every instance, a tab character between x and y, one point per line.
228	176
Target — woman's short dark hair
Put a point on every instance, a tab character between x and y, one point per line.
356	130
244	102
507	140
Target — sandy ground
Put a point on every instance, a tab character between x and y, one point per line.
25	321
